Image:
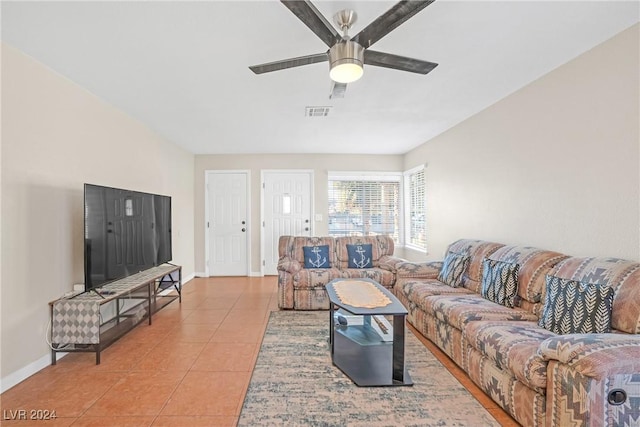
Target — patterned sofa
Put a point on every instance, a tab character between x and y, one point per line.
303	288
530	359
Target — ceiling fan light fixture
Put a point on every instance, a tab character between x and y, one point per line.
345	62
346	72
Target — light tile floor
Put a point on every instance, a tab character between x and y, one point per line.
191	367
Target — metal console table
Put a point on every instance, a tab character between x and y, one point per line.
76	324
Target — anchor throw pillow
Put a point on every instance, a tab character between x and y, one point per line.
316	256
360	256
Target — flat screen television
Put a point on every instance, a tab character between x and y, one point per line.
125	232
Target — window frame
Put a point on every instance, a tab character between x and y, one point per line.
407	198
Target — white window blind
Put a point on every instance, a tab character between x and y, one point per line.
417	209
364	205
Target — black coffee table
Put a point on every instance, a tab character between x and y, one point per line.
358	349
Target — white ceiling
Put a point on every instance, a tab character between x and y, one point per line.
181	67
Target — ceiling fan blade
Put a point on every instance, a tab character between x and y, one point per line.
381	59
289	63
389	21
337	90
312	18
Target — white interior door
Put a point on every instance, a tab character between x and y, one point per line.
286	210
227	223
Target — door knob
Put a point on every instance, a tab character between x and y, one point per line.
306	229
243	230
243	222
306	221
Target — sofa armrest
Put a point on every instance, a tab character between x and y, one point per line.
594	355
422	270
289	265
389	262
577	400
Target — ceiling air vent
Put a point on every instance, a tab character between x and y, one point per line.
317	111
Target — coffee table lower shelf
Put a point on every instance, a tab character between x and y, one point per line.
367	365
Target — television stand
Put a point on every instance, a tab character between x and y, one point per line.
89	291
76	322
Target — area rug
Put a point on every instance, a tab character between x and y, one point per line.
294	383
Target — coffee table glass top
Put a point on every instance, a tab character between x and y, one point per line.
370	291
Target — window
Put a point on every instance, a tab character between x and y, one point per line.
364	204
416	209
128	206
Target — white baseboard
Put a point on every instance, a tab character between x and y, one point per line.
23	373
251	274
200	274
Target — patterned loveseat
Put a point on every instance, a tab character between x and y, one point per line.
303	288
531	358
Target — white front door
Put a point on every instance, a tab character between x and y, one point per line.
227	223
286	211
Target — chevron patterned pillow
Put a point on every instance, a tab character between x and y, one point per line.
572	307
500	282
453	268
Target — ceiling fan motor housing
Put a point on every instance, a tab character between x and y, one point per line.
346	53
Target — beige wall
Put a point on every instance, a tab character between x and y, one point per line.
55	137
1	73
320	164
555	165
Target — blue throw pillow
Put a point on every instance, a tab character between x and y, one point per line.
316	256
360	256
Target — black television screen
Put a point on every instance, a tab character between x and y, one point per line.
125	232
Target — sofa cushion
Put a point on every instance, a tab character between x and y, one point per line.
572	307
453	269
533	265
622	275
311	278
512	346
458	310
500	282
360	256
417	290
477	251
385	277
316	256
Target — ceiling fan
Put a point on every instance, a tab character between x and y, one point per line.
347	55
